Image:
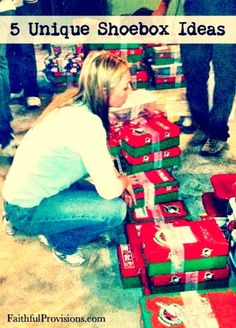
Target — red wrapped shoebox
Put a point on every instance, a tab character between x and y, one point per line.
149	135
190	278
131	263
190	309
163	212
152	197
162	159
152	187
181	246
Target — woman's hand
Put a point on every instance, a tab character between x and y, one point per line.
128	186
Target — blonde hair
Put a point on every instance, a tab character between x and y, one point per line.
101	72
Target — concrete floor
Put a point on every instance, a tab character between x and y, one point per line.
33	282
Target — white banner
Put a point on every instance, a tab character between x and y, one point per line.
117	29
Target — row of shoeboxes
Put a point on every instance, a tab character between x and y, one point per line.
165	63
63	65
167	249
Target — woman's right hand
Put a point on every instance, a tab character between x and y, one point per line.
128	186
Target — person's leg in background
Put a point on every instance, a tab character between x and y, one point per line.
7	143
23	66
224	66
196	60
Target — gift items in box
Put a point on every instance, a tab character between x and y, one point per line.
181	246
196	280
190	309
149	134
161	159
162	212
152	187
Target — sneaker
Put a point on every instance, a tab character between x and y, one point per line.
198	139
17	95
33	102
8	227
10	149
186	125
75	259
43	240
212	147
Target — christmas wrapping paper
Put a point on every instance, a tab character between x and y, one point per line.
190	309
180	246
148	135
162	212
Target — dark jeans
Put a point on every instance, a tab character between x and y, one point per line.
196	59
5	112
22	62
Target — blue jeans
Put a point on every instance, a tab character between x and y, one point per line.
69	219
196	60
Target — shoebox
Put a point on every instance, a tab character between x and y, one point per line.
162	159
171	210
182	246
190	309
131	264
180	281
167	70
170	82
151	197
114	139
149	134
152	187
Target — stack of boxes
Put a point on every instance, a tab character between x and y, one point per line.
167	250
62	67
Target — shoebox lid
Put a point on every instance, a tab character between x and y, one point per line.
167	211
224	185
158	156
155	178
149	130
189	309
193	277
182	240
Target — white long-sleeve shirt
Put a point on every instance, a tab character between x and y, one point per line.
6	5
68	144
